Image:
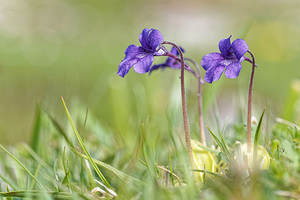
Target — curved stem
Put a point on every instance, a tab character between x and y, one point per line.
195	64
200	82
184	107
179	60
250	104
249	60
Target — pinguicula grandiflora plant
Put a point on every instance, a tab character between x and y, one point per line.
230	60
141	59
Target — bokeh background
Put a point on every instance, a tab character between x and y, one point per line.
72	48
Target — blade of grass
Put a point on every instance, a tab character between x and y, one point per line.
35	174
37	158
103	179
49	170
60	130
222	136
171	170
8	198
36	130
256	138
91	182
221	144
123	176
34	193
66	179
84	124
207	172
23	166
9	182
82	178
207	149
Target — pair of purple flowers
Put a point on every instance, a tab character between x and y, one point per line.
229	60
142	57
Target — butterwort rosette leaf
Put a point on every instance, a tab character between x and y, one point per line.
229	59
141	57
170	62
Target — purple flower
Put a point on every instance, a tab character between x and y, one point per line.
229	59
170	62
142	57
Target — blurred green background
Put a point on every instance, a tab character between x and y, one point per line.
72	48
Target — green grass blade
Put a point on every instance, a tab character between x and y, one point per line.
91	179
36	194
221	144
123	176
66	179
171	170
224	144
8	198
19	162
60	130
9	182
35	175
256	139
84	124
83	146
36	130
207	172
82	178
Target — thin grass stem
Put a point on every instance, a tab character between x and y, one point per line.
83	146
21	164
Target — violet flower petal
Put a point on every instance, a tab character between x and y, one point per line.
155	39
211	60
131	54
171	62
239	47
175	52
155	67
144	63
225	46
233	70
144	39
214	73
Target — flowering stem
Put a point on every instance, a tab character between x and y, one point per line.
184	107
250	104
179	60
200	82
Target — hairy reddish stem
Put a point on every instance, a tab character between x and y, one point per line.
184	107
250	104
200	82
179	60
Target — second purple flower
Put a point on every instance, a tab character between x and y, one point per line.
229	60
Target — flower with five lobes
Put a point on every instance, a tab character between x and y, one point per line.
229	59
142	57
